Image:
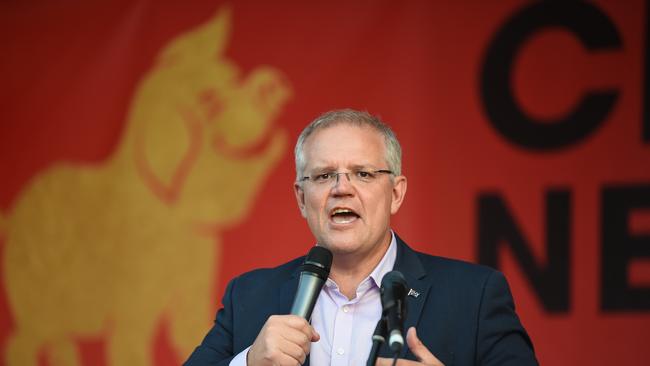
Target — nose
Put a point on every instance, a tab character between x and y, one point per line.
342	186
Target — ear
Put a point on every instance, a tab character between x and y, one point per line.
398	193
204	42
212	37
300	198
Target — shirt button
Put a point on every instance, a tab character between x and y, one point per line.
340	351
346	309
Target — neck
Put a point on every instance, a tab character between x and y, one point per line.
349	269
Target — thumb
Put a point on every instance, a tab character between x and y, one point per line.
420	350
315	337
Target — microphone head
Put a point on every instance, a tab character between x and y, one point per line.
393	288
318	262
393	277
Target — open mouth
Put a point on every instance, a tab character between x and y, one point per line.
343	215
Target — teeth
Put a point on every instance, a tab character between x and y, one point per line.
343	215
343	219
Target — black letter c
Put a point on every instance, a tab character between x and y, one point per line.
594	30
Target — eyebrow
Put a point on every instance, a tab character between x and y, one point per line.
323	168
363	167
330	168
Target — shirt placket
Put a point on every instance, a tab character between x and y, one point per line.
342	340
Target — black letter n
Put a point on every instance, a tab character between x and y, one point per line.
496	226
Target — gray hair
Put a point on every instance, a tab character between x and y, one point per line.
355	118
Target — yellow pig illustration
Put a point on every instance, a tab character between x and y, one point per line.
109	249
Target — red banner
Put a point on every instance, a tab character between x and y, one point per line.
146	159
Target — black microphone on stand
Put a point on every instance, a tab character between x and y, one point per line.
393	301
391	324
313	274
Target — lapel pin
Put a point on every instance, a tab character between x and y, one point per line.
413	293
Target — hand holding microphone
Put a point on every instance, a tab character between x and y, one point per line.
286	339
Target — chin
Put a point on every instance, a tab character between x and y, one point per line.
343	249
342	244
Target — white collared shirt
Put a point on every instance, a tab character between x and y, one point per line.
345	326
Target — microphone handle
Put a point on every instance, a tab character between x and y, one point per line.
395	324
308	289
396	341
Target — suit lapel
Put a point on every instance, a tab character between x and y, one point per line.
287	293
409	264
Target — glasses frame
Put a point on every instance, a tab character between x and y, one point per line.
347	174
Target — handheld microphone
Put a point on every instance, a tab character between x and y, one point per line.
313	274
393	303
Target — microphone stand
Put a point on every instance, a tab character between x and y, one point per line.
378	338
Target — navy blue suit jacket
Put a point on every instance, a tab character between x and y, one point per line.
464	313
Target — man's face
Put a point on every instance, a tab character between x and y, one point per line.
349	216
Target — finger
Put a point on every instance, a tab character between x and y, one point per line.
315	336
272	352
306	328
419	349
293	350
288	360
279	341
295	321
381	361
384	361
298	338
284	322
303	325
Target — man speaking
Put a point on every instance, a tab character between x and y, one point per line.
348	184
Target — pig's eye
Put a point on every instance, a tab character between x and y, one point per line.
208	96
210	103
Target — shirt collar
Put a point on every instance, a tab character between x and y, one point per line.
384	266
387	262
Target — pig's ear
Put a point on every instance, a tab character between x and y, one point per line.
204	42
214	34
165	153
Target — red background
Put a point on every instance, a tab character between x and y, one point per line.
69	69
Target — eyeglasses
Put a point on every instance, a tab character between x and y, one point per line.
326	179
